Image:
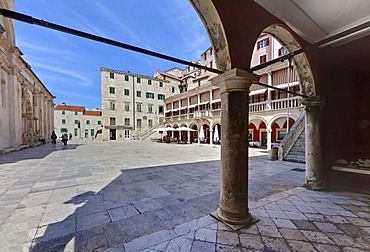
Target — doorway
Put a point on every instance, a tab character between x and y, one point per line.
112	134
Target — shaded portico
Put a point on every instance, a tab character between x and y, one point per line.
323	76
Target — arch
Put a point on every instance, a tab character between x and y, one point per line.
256	119
282	116
301	63
217	121
211	20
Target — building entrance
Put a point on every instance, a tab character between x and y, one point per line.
112	134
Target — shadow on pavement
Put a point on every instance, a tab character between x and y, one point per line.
146	200
35	152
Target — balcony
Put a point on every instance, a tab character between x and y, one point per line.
273	105
279	104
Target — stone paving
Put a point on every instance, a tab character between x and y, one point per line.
143	196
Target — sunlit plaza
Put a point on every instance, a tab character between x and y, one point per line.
144	196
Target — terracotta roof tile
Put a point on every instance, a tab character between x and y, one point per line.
92	112
70	108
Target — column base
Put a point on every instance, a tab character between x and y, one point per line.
232	223
315	185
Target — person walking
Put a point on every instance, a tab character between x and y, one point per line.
53	137
65	138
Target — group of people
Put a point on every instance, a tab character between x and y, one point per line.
64	137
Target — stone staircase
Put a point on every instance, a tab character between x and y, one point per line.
292	147
297	152
145	135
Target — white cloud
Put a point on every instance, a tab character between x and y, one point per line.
78	79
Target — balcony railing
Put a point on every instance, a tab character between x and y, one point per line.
292	102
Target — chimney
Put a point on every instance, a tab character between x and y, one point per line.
63	103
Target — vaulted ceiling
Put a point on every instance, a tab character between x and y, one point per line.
315	20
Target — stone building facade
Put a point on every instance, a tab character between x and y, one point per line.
26	114
132	104
199	106
78	121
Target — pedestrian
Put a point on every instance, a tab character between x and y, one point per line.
53	137
70	136
65	138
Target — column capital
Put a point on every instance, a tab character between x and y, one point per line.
234	80
313	102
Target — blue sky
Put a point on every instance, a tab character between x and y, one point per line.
69	66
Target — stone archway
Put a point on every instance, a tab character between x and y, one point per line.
285	38
234	87
212	22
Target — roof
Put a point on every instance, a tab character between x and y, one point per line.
169	75
92	112
203	76
70	108
104	69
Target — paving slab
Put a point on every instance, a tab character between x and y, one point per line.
143	196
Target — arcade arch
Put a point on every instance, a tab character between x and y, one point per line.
235	85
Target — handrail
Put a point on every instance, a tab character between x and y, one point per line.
292	136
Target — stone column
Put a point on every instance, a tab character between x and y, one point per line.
268	138
211	136
234	88
314	172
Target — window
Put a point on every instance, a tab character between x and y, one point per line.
149	82
63	130
173	89
280	134
150	108
160	84
161	96
127	92
88	122
92	132
112	105
282	51
76	113
149	95
111	75
112	90
138	80
126	78
127	134
112	121
150	122
99	122
263	59
160	109
77	121
262	43
138	123
63	121
127	121
138	93
76	132
63	112
127	106
138	107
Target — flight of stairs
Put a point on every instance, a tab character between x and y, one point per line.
297	152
